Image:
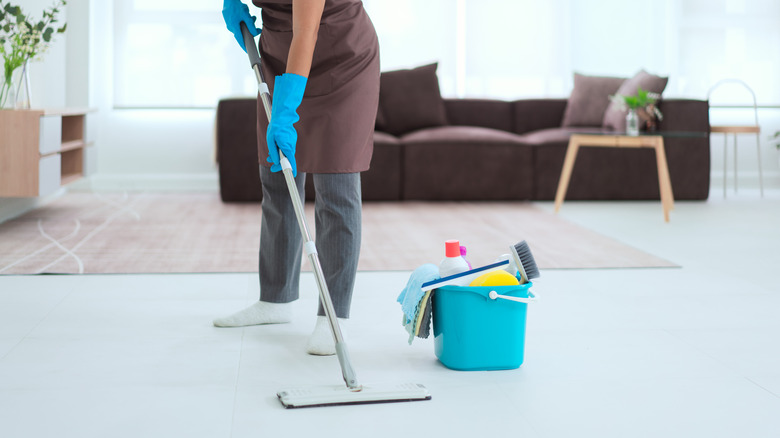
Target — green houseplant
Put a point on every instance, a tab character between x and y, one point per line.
23	39
642	106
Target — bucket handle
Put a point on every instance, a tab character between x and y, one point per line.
531	297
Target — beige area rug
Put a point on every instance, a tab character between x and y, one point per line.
168	233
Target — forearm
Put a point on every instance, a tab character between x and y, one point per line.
306	25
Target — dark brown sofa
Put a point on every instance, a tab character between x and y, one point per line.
491	150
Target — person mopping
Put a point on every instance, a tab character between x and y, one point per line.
323	57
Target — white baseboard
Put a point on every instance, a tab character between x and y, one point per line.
209	182
192	182
745	179
196	182
15	207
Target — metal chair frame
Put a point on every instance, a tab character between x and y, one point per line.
734	130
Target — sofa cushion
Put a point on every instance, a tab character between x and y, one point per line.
457	163
385	138
589	99
488	113
410	99
556	135
461	134
535	114
382	180
614	117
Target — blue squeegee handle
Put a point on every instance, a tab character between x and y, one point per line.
459	278
309	247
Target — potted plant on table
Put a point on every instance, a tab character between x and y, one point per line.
642	110
23	39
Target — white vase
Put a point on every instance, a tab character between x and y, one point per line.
632	122
22	88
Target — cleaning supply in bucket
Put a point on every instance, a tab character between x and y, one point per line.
415	303
520	261
495	278
417	297
463	252
453	263
422	328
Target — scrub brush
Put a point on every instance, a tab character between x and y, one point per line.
524	261
520	261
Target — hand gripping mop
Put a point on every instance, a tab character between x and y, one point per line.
353	393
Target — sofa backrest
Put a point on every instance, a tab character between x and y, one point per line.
535	114
519	116
485	113
684	115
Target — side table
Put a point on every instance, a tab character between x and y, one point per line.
617	140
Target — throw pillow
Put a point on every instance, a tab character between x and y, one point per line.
410	99
614	117
589	99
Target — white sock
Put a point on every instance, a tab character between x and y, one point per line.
321	342
260	312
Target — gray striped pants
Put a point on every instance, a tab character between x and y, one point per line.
337	213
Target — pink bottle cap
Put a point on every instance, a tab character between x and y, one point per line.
452	248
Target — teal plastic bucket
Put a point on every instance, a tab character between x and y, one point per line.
474	332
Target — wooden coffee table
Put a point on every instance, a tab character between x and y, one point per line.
618	140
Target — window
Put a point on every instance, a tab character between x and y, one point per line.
741	38
176	54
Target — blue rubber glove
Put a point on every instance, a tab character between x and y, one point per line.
288	94
235	12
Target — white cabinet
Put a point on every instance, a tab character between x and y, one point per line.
41	150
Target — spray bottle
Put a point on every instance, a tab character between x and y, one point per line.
453	263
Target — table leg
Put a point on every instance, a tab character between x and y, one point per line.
760	175
664	182
735	162
568	165
725	160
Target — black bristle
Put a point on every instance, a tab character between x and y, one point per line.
529	264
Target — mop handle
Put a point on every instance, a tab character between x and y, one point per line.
308	246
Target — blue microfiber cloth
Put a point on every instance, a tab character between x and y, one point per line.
412	294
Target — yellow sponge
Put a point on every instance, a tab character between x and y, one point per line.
495	278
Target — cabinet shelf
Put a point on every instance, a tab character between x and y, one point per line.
71	145
41	150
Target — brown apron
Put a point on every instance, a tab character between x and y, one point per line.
338	112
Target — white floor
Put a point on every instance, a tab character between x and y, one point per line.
683	352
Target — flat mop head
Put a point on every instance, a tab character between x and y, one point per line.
341	395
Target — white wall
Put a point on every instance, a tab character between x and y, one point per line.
48	76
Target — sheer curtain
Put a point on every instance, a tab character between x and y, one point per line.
176	53
729	39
